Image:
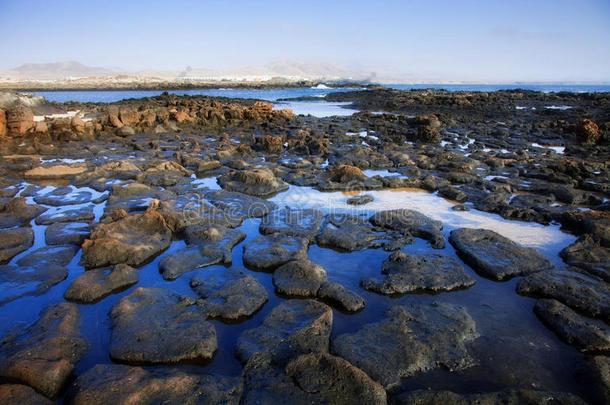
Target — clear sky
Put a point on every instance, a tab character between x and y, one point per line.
502	40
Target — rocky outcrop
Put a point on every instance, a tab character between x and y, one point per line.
495	256
266	253
299	278
587	131
43	355
257	182
19	121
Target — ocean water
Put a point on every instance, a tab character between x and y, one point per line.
546	88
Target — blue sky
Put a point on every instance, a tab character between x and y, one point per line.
512	40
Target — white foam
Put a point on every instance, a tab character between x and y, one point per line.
69	114
558	107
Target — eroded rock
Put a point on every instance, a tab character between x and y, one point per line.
93	285
268	252
299	278
300	223
413	223
14	241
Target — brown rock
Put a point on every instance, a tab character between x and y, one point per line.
129	116
78	125
56	171
587	131
19	121
113	117
3	129
17	394
273	144
347	173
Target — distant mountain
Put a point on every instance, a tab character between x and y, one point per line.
56	71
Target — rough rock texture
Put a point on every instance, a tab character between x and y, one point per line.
601	376
240	204
13	242
337	294
578	291
132	240
192	209
506	397
153	325
17	394
64	196
413	223
230	296
496	256
19	120
258	182
408	273
333	380
588	254
207	245
271	251
302	325
409	340
67	233
299	278
587	334
56	171
49	255
119	384
82	214
360	199
587	131
43	354
93	285
300	223
17	212
19	281
351	232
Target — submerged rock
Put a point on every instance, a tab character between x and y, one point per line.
494	255
301	326
300	223
231	295
17	394
506	397
132	240
411	222
19	281
586	334
43	355
408	273
207	245
299	278
120	384
268	252
260	182
410	340
93	285
576	290
153	325
14	241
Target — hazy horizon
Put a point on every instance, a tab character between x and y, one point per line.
543	41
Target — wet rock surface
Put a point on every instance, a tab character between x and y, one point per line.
341	296
508	397
299	278
153	325
17	394
300	223
68	233
266	253
410	340
496	256
17	212
14	241
230	296
408	273
411	222
106	383
93	285
43	355
256	182
20	281
207	245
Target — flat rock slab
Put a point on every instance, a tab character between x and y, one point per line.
67	233
82	214
56	171
257	182
351	233
588	254
240	204
192	209
48	255
495	256
506	397
410	340
299	278
300	223
409	273
153	325
230	296
360	199
578	291
413	223
64	196
207	245
17	212
587	334
43	354
20	281
14	241
301	325
17	394
132	240
93	285
340	296
266	253
120	384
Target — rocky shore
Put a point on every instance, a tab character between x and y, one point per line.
189	249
